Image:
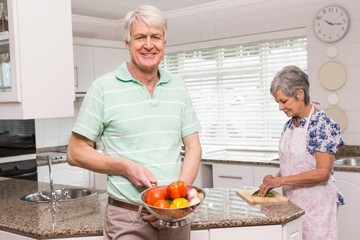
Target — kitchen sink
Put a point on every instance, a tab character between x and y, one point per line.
60	195
349	161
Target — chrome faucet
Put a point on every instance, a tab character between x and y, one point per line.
53	197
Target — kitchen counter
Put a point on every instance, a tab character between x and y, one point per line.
259	158
221	208
220	155
224	208
37	220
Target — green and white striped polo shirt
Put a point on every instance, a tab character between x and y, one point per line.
134	125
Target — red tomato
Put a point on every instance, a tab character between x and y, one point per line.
162	203
176	189
156	194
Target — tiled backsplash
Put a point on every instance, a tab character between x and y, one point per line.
53	132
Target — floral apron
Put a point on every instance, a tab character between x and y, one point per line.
319	202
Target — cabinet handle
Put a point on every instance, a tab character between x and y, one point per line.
76	76
226	176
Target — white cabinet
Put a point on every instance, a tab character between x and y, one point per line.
230	175
91	62
293	230
41	57
233	175
108	59
289	231
99	180
83	67
349	184
248	233
12	236
199	235
63	173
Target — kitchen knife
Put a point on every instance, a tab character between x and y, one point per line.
256	193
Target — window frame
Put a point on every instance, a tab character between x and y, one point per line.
237	139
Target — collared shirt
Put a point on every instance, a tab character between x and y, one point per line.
134	125
323	134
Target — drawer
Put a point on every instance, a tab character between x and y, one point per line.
227	175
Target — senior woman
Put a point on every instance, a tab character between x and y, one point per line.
308	144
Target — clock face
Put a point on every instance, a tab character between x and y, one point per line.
331	24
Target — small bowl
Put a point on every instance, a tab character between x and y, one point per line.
172	217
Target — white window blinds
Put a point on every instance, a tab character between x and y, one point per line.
229	87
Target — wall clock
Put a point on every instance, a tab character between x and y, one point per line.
331	23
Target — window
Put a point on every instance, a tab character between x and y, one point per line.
229	87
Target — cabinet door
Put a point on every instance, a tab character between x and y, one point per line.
12	236
261	171
199	235
108	59
349	184
83	67
248	233
100	181
9	87
293	230
41	59
228	175
63	173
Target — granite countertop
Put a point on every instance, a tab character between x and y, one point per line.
221	208
220	155
263	158
38	220
55	157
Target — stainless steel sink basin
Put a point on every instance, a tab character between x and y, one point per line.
349	161
64	194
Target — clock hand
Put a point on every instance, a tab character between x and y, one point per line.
331	23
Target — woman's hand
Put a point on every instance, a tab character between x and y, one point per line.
269	182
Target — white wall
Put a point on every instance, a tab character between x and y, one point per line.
231	22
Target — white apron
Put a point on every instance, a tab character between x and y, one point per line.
319	202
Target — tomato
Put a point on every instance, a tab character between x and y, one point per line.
162	203
179	203
156	194
176	189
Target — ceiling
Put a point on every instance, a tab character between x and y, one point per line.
117	9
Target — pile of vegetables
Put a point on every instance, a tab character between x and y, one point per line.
174	195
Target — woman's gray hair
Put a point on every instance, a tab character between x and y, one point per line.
147	13
289	80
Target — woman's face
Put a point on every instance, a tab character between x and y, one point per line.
289	105
146	46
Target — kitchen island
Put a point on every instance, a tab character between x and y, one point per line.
83	218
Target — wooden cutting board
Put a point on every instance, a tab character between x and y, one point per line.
246	194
